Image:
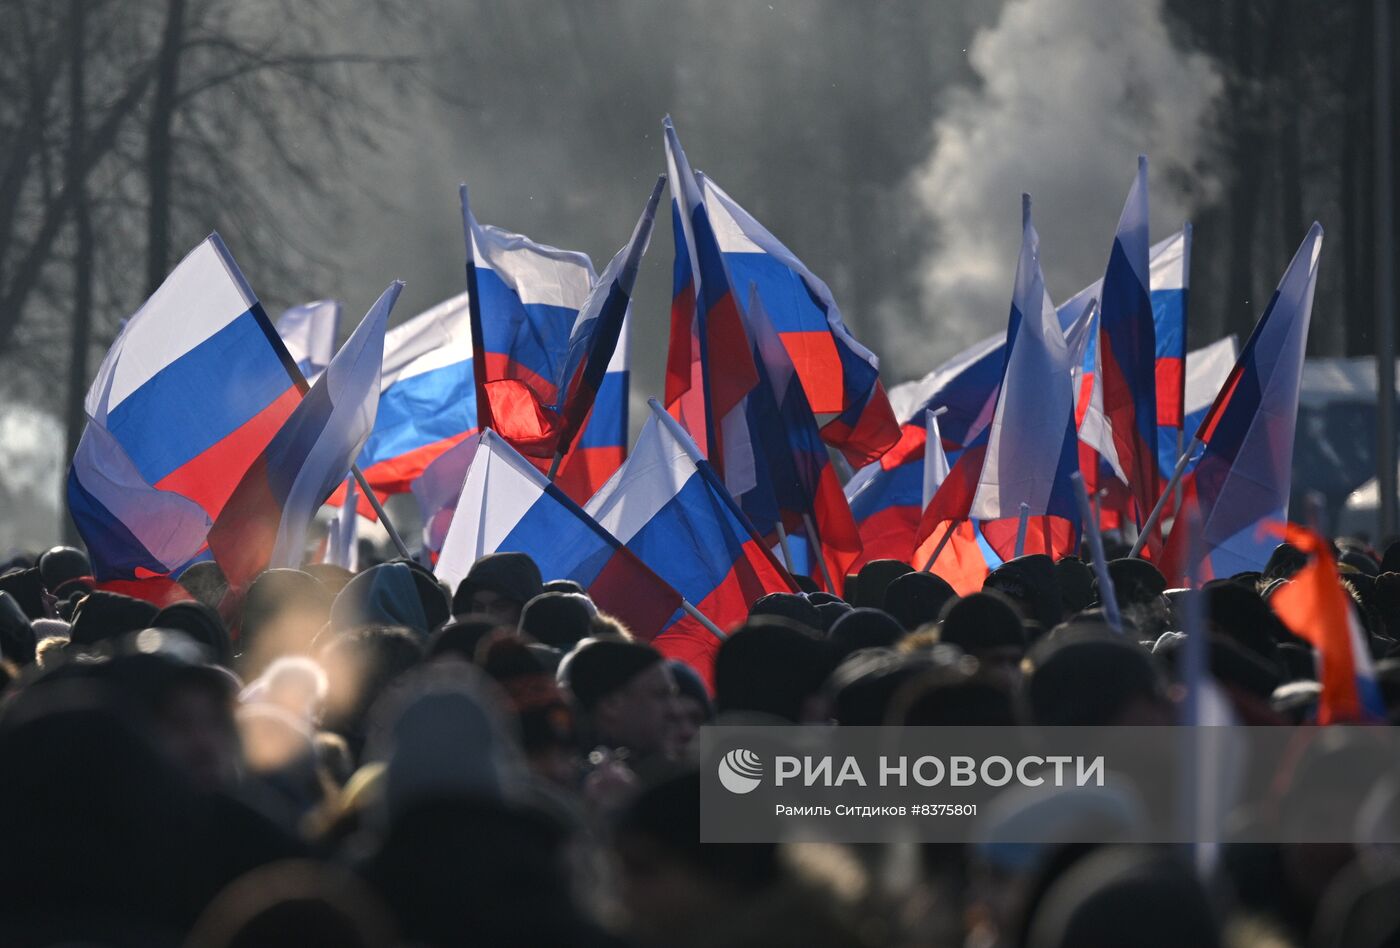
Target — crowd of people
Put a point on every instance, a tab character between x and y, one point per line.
372	759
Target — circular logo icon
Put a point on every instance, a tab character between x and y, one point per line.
740	771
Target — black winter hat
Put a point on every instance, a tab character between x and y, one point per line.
599	668
512	575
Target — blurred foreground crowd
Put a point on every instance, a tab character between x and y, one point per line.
375	760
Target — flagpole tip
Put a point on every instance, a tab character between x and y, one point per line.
1025	208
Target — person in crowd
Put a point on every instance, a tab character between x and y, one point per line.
498	585
626	695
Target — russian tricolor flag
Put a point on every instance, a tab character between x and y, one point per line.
264	524
188	395
1127	356
960	560
1243	477
669	507
525	299
1316	607
1030	449
709	365
797	486
840	377
592	350
507	505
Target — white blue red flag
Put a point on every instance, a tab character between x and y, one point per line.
840	377
668	506
797	484
1243	477
525	299
507	505
709	364
264	524
1127	356
1029	450
188	395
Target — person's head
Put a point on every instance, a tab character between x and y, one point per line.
103	616
62	563
461	638
1136	582
986	627
1092	679
1239	614
1076	582
189	704
283	612
202	624
560	619
917	599
770	668
498	584
547	732
1118	897
693	704
627	692
872	581
294	683
793	606
670	881
864	628
389	594
360	665
1030	583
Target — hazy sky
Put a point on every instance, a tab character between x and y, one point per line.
886	143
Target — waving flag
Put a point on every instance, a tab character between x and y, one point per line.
509	506
524	299
668	506
709	365
840	377
795	476
1316	607
1030	449
1127	350
264	523
191	391
427	400
309	332
1242	478
959	557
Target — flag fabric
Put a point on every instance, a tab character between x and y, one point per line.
669	507
593	340
428	405
427	398
507	505
342	541
798	485
1316	607
886	496
960	561
709	365
264	524
839	376
1127	350
439	489
1029	451
1207	370
309	331
191	391
524	299
1243	477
